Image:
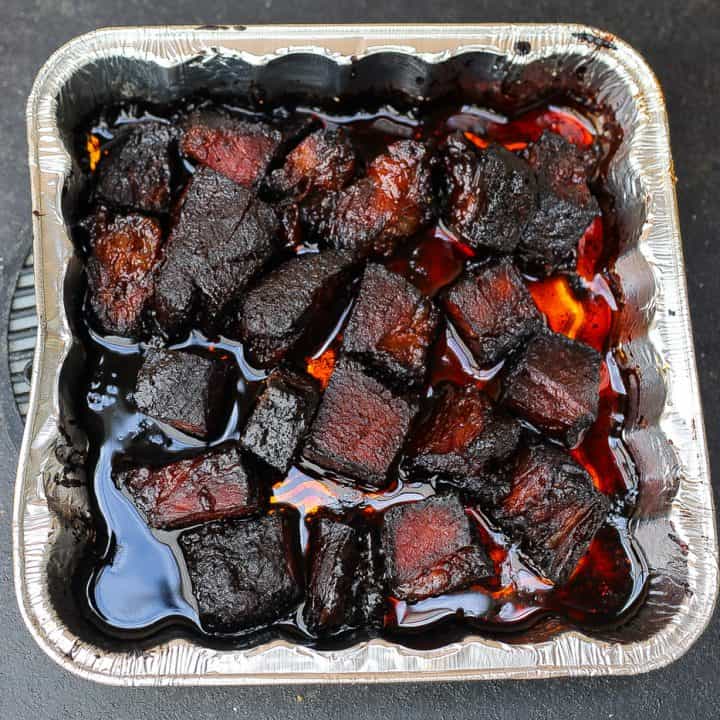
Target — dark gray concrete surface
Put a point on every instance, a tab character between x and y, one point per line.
682	42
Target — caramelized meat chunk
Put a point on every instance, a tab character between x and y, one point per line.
123	256
244	573
223	237
565	206
206	487
392	326
555	385
463	435
323	162
189	392
235	148
430	549
137	172
490	195
492	310
280	419
360	426
552	508
275	314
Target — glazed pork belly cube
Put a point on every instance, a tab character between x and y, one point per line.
322	162
189	392
244	573
492	310
275	314
223	237
124	252
137	172
490	195
430	549
360	426
238	149
391	327
207	487
281	417
555	385
565	206
552	509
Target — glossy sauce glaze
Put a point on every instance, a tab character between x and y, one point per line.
138	581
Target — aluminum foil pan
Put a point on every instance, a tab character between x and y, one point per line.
674	522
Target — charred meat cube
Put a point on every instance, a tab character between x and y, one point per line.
206	487
189	392
280	419
275	314
138	170
359	427
430	549
341	588
555	385
322	162
124	252
392	326
463	435
238	149
492	310
490	195
223	237
552	509
244	573
565	206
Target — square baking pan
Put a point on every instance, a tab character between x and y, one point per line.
674	520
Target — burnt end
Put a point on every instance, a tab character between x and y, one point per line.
552	508
123	255
391	203
430	549
392	326
275	314
322	162
555	385
137	172
280	419
290	224
490	195
244	573
492	310
189	392
463	435
223	237
237	149
360	426
207	487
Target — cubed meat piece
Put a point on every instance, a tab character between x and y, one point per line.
392	326
430	549
359	427
463	436
490	195
392	202
555	385
207	487
138	170
280	419
124	252
552	509
238	149
492	310
189	392
274	315
223	237
322	162
244	573
341	588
